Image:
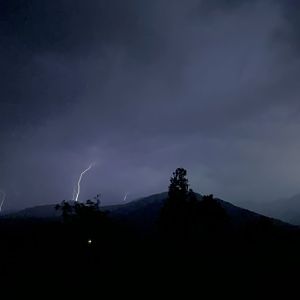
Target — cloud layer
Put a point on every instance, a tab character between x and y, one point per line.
144	88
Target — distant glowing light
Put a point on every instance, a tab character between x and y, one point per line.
89	242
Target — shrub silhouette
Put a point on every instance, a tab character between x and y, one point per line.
86	219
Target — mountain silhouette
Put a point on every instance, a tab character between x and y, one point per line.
143	213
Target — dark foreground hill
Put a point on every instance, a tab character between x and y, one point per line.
142	212
127	247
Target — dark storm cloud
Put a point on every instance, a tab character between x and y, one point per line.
141	88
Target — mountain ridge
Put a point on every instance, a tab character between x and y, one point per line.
144	212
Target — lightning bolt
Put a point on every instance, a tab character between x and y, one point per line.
79	180
125	197
3	196
74	193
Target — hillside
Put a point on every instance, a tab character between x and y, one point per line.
286	209
144	212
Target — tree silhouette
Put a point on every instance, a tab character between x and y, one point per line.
186	216
212	217
179	186
66	208
86	219
173	218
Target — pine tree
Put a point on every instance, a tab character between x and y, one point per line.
179	186
173	214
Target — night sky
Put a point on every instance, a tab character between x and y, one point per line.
143	87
